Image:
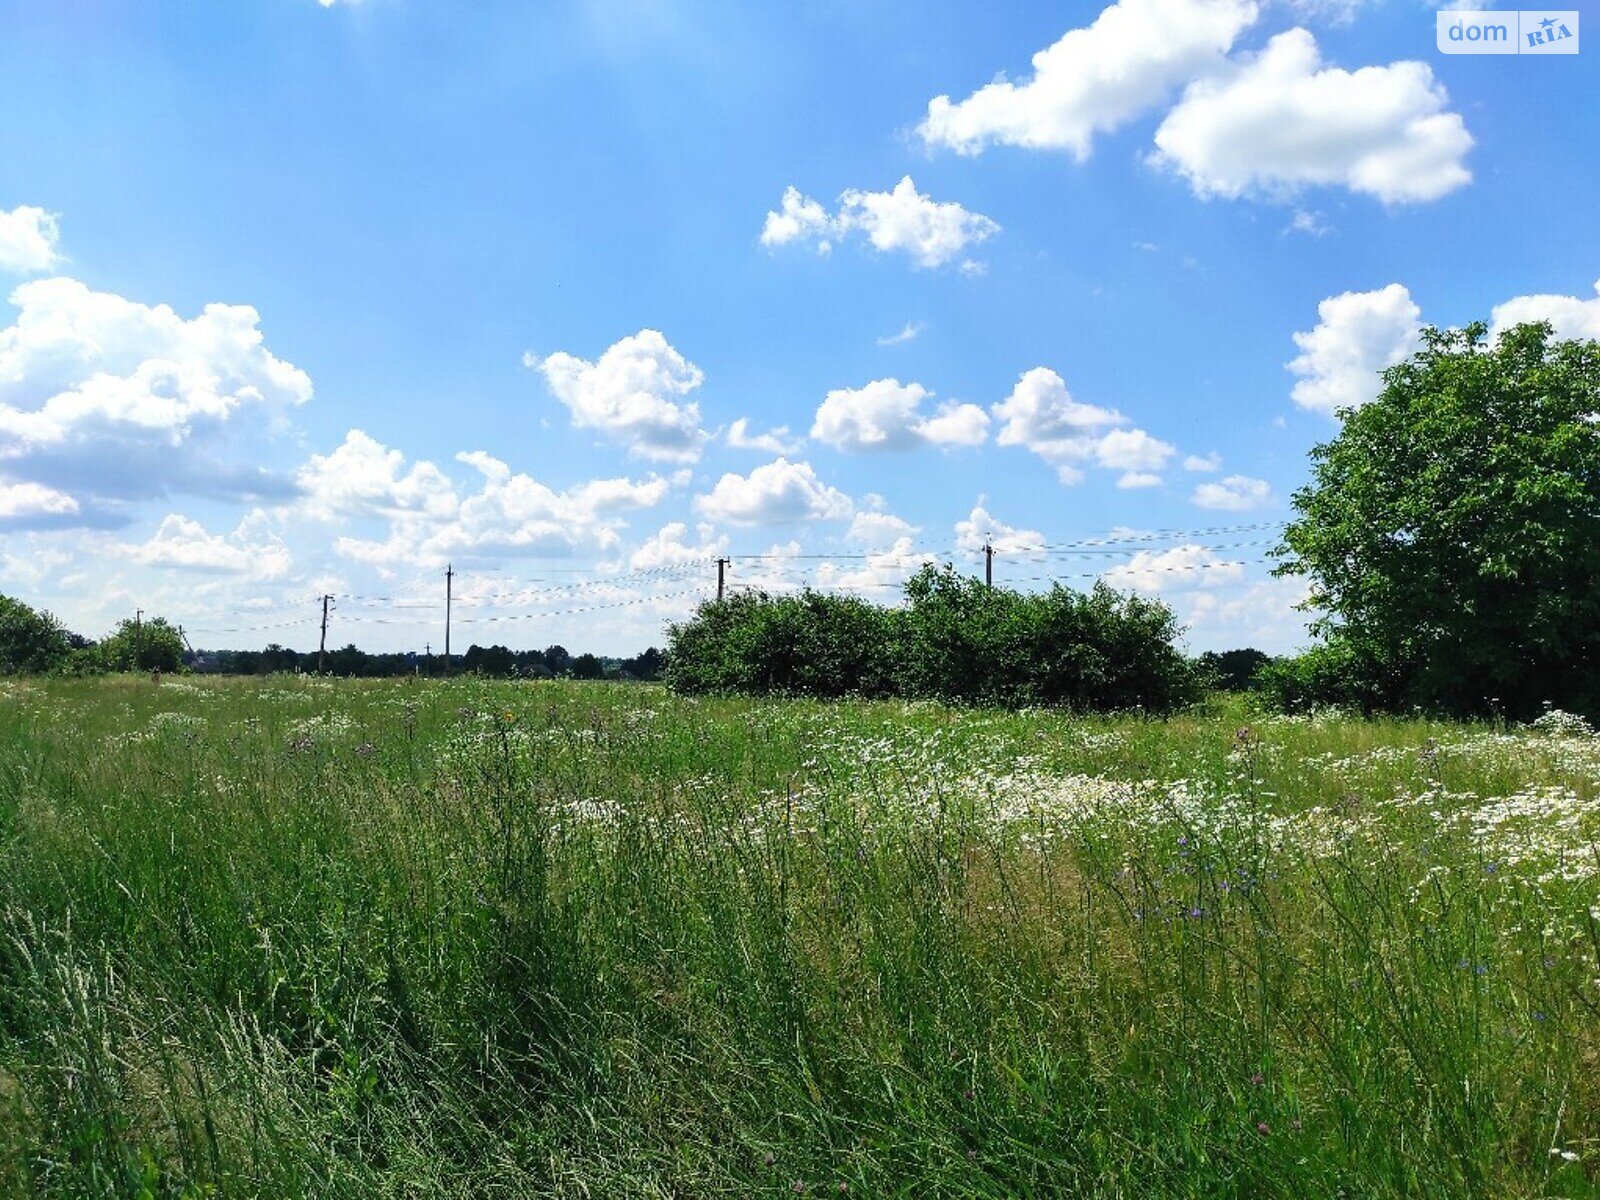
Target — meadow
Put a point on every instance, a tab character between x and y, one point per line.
298	936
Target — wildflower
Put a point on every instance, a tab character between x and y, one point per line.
768	1159
1263	1128
1258	1079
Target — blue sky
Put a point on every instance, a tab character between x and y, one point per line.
494	283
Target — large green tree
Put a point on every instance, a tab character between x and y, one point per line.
150	645
30	640
1451	531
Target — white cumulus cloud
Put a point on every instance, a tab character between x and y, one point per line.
633	394
1095	79
980	526
1358	335
875	527
669	547
774	441
929	232
1280	121
431	521
887	415
1569	316
363	477
781	492
21	502
183	544
29	240
1235	493
109	397
1041	415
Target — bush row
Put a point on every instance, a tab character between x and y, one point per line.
954	640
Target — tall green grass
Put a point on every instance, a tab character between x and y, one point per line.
413	938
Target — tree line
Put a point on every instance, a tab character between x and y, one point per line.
35	642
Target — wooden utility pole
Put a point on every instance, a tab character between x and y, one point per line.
988	564
322	646
449	577
722	566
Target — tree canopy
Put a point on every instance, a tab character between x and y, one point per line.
30	640
1451	531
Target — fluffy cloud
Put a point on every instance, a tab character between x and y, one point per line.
799	218
516	514
182	544
364	478
878	528
108	397
431	522
929	232
779	493
28	240
887	415
1236	493
1095	79
1132	450
1358	335
633	395
1041	415
669	547
1280	121
774	441
29	503
981	526
1195	462
1568	315
1157	571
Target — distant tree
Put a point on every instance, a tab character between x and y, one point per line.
557	659
345	661
277	658
1451	531
151	645
30	640
1234	670
646	666
494	661
587	666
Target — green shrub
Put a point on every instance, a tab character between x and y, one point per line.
810	644
955	640
30	641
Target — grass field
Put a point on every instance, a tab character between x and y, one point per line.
301	937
